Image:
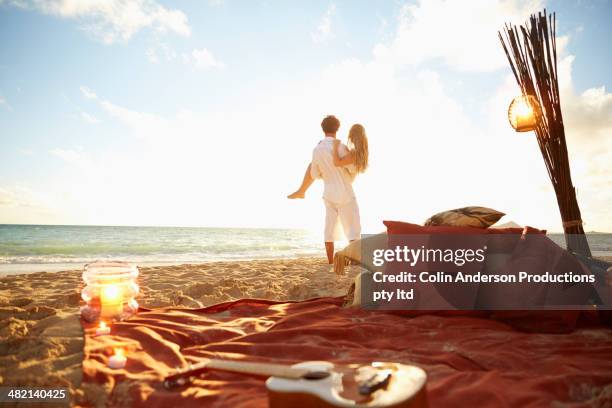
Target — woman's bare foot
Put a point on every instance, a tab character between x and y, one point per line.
297	194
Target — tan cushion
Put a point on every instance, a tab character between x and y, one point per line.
478	217
353	251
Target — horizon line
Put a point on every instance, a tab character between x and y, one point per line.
142	226
209	227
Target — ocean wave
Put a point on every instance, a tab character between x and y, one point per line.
26	244
158	257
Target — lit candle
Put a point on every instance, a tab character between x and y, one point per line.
103	329
118	359
111	302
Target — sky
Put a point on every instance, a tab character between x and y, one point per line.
205	113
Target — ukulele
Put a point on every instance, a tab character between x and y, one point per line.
320	384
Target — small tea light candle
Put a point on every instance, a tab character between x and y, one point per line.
118	359
102	329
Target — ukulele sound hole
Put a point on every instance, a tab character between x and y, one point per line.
316	375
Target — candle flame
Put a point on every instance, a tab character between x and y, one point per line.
119	352
111	294
102	324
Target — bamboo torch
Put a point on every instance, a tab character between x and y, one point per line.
532	53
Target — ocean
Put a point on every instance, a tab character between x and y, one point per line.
33	248
30	248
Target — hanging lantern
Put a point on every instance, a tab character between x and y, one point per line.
523	113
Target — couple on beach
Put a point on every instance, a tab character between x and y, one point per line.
337	165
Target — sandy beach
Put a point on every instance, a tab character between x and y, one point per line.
41	340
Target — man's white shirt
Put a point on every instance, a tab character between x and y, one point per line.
337	181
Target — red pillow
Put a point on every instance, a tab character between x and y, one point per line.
400	227
406	228
504	240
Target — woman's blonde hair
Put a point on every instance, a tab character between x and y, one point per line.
359	140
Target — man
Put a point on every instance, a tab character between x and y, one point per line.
340	203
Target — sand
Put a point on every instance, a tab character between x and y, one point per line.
41	340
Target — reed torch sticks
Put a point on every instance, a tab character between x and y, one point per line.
532	53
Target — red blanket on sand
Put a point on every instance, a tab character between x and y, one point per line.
470	361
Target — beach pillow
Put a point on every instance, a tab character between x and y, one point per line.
452	238
478	217
353	295
407	228
353	251
542	255
501	245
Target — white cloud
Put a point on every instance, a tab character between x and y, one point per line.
87	93
20	204
324	28
89	118
18	197
463	34
8	198
590	112
112	20
203	59
152	56
25	152
158	51
587	117
73	157
144	125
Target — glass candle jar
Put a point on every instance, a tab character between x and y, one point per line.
110	291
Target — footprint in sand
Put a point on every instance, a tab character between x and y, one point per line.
40	312
234	292
189	302
18	302
13	328
11	311
33	313
199	289
160	286
298	292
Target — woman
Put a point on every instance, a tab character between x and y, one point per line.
356	160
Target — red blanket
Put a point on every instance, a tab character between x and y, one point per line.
470	361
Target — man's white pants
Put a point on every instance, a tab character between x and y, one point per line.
346	215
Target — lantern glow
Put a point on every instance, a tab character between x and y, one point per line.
111	300
111	293
523	112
